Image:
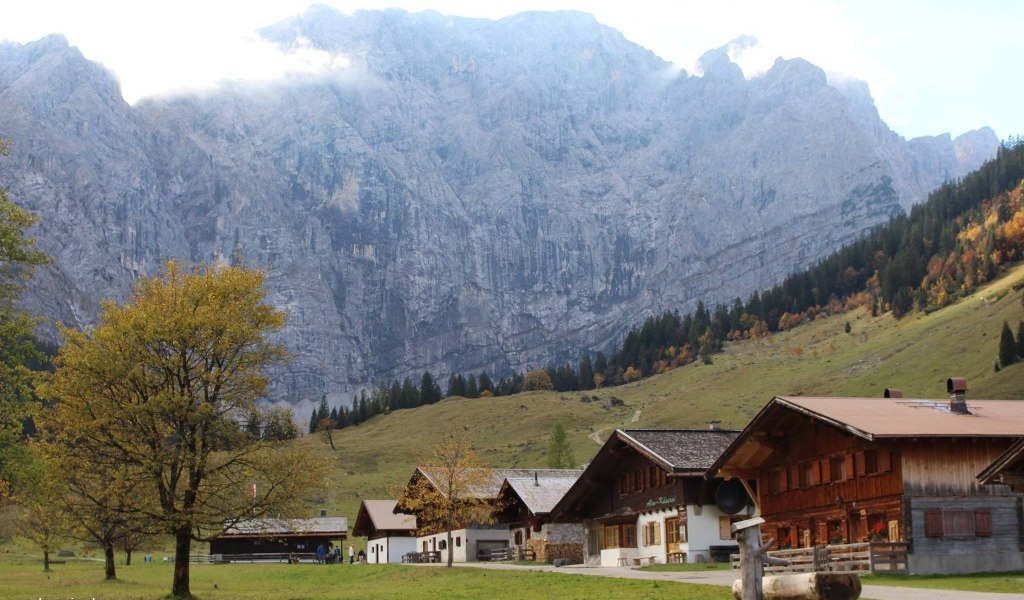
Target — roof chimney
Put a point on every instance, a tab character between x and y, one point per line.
535	480
893	393
323	512
957	388
714	425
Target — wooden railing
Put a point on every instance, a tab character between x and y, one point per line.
280	557
871	557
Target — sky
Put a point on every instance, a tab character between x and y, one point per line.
933	66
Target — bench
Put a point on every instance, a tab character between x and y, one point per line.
639	561
676	557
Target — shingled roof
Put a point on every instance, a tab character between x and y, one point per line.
322	526
492	479
681	449
540	494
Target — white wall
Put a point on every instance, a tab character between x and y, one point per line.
703	532
464	542
389	550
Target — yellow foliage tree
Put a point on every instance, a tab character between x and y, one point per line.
158	394
445	493
538	379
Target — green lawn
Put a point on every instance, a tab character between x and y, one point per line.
1004	583
23	578
687	567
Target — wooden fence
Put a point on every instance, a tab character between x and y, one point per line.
871	557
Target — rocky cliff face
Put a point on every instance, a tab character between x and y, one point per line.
465	194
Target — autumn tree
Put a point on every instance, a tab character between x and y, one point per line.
444	493
538	379
161	388
42	518
560	454
18	260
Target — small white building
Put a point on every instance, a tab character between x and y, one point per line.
644	499
389	535
469	544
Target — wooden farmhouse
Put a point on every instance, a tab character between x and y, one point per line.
389	535
470	541
644	498
277	538
1007	468
830	471
525	503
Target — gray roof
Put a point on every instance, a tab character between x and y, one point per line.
683	449
540	494
315	526
491	479
383	517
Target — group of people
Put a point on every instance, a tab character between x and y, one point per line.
332	555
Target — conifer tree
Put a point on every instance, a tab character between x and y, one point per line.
560	454
1020	340
1007	347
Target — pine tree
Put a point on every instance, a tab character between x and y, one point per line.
429	393
485	383
560	454
1007	347
312	421
586	373
1020	340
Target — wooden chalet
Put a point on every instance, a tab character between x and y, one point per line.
644	498
830	471
471	541
274	539
525	503
1007	468
390	535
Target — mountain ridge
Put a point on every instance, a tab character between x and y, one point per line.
466	195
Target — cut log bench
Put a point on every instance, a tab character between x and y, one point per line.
806	586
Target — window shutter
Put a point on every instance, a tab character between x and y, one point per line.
848	459
884	461
983	522
815	472
859	464
933	523
826	470
794	477
657	532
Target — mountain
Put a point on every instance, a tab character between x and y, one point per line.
465	194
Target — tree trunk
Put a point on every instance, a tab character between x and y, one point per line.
46	560
108	561
450	552
751	562
127	556
182	547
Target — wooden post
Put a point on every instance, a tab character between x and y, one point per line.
752	554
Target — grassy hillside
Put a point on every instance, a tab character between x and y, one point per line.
915	354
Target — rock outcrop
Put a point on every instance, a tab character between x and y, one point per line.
463	195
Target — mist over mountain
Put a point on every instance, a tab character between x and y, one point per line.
465	194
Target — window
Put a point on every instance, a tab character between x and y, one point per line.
809	474
629	536
785	538
778	481
458	542
441	545
611	536
835	532
870	462
518	538
837	468
652	533
958	523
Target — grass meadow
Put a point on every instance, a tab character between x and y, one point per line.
23	579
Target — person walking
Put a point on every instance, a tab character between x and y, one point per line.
351	554
320	554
